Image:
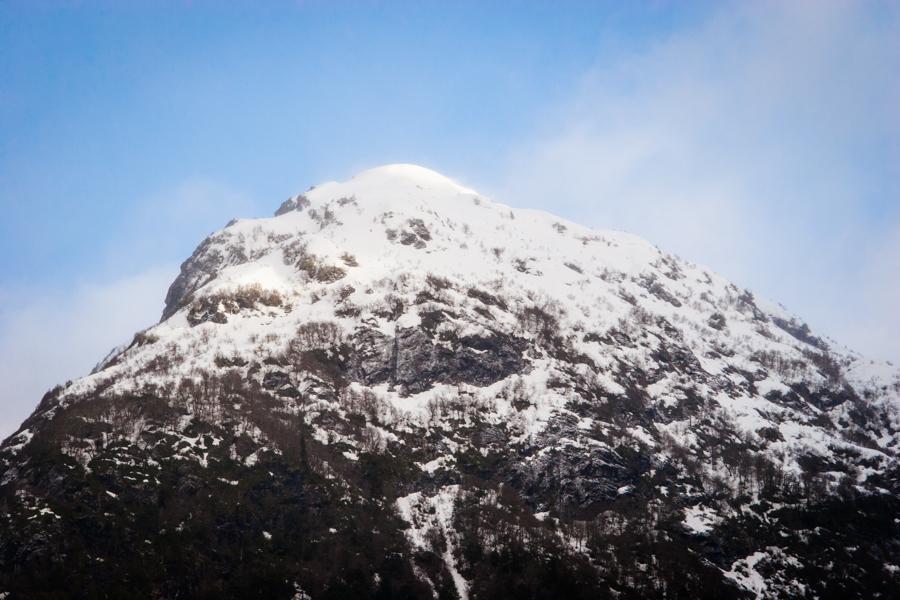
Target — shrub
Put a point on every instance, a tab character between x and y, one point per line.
214	307
318	334
312	265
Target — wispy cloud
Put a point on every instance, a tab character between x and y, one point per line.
55	336
762	142
49	334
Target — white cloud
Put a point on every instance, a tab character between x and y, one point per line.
761	142
51	337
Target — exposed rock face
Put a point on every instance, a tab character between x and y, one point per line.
294	203
398	388
473	360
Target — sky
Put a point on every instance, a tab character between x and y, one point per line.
761	139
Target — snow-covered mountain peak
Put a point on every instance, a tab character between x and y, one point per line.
400	245
432	356
405	219
399	175
393	185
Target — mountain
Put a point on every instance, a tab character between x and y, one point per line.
398	388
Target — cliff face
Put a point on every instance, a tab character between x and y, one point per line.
398	388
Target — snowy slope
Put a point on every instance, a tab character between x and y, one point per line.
384	231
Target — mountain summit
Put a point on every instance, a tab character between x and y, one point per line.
396	387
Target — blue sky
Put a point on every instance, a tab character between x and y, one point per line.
758	138
104	107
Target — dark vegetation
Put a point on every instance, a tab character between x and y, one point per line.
220	485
